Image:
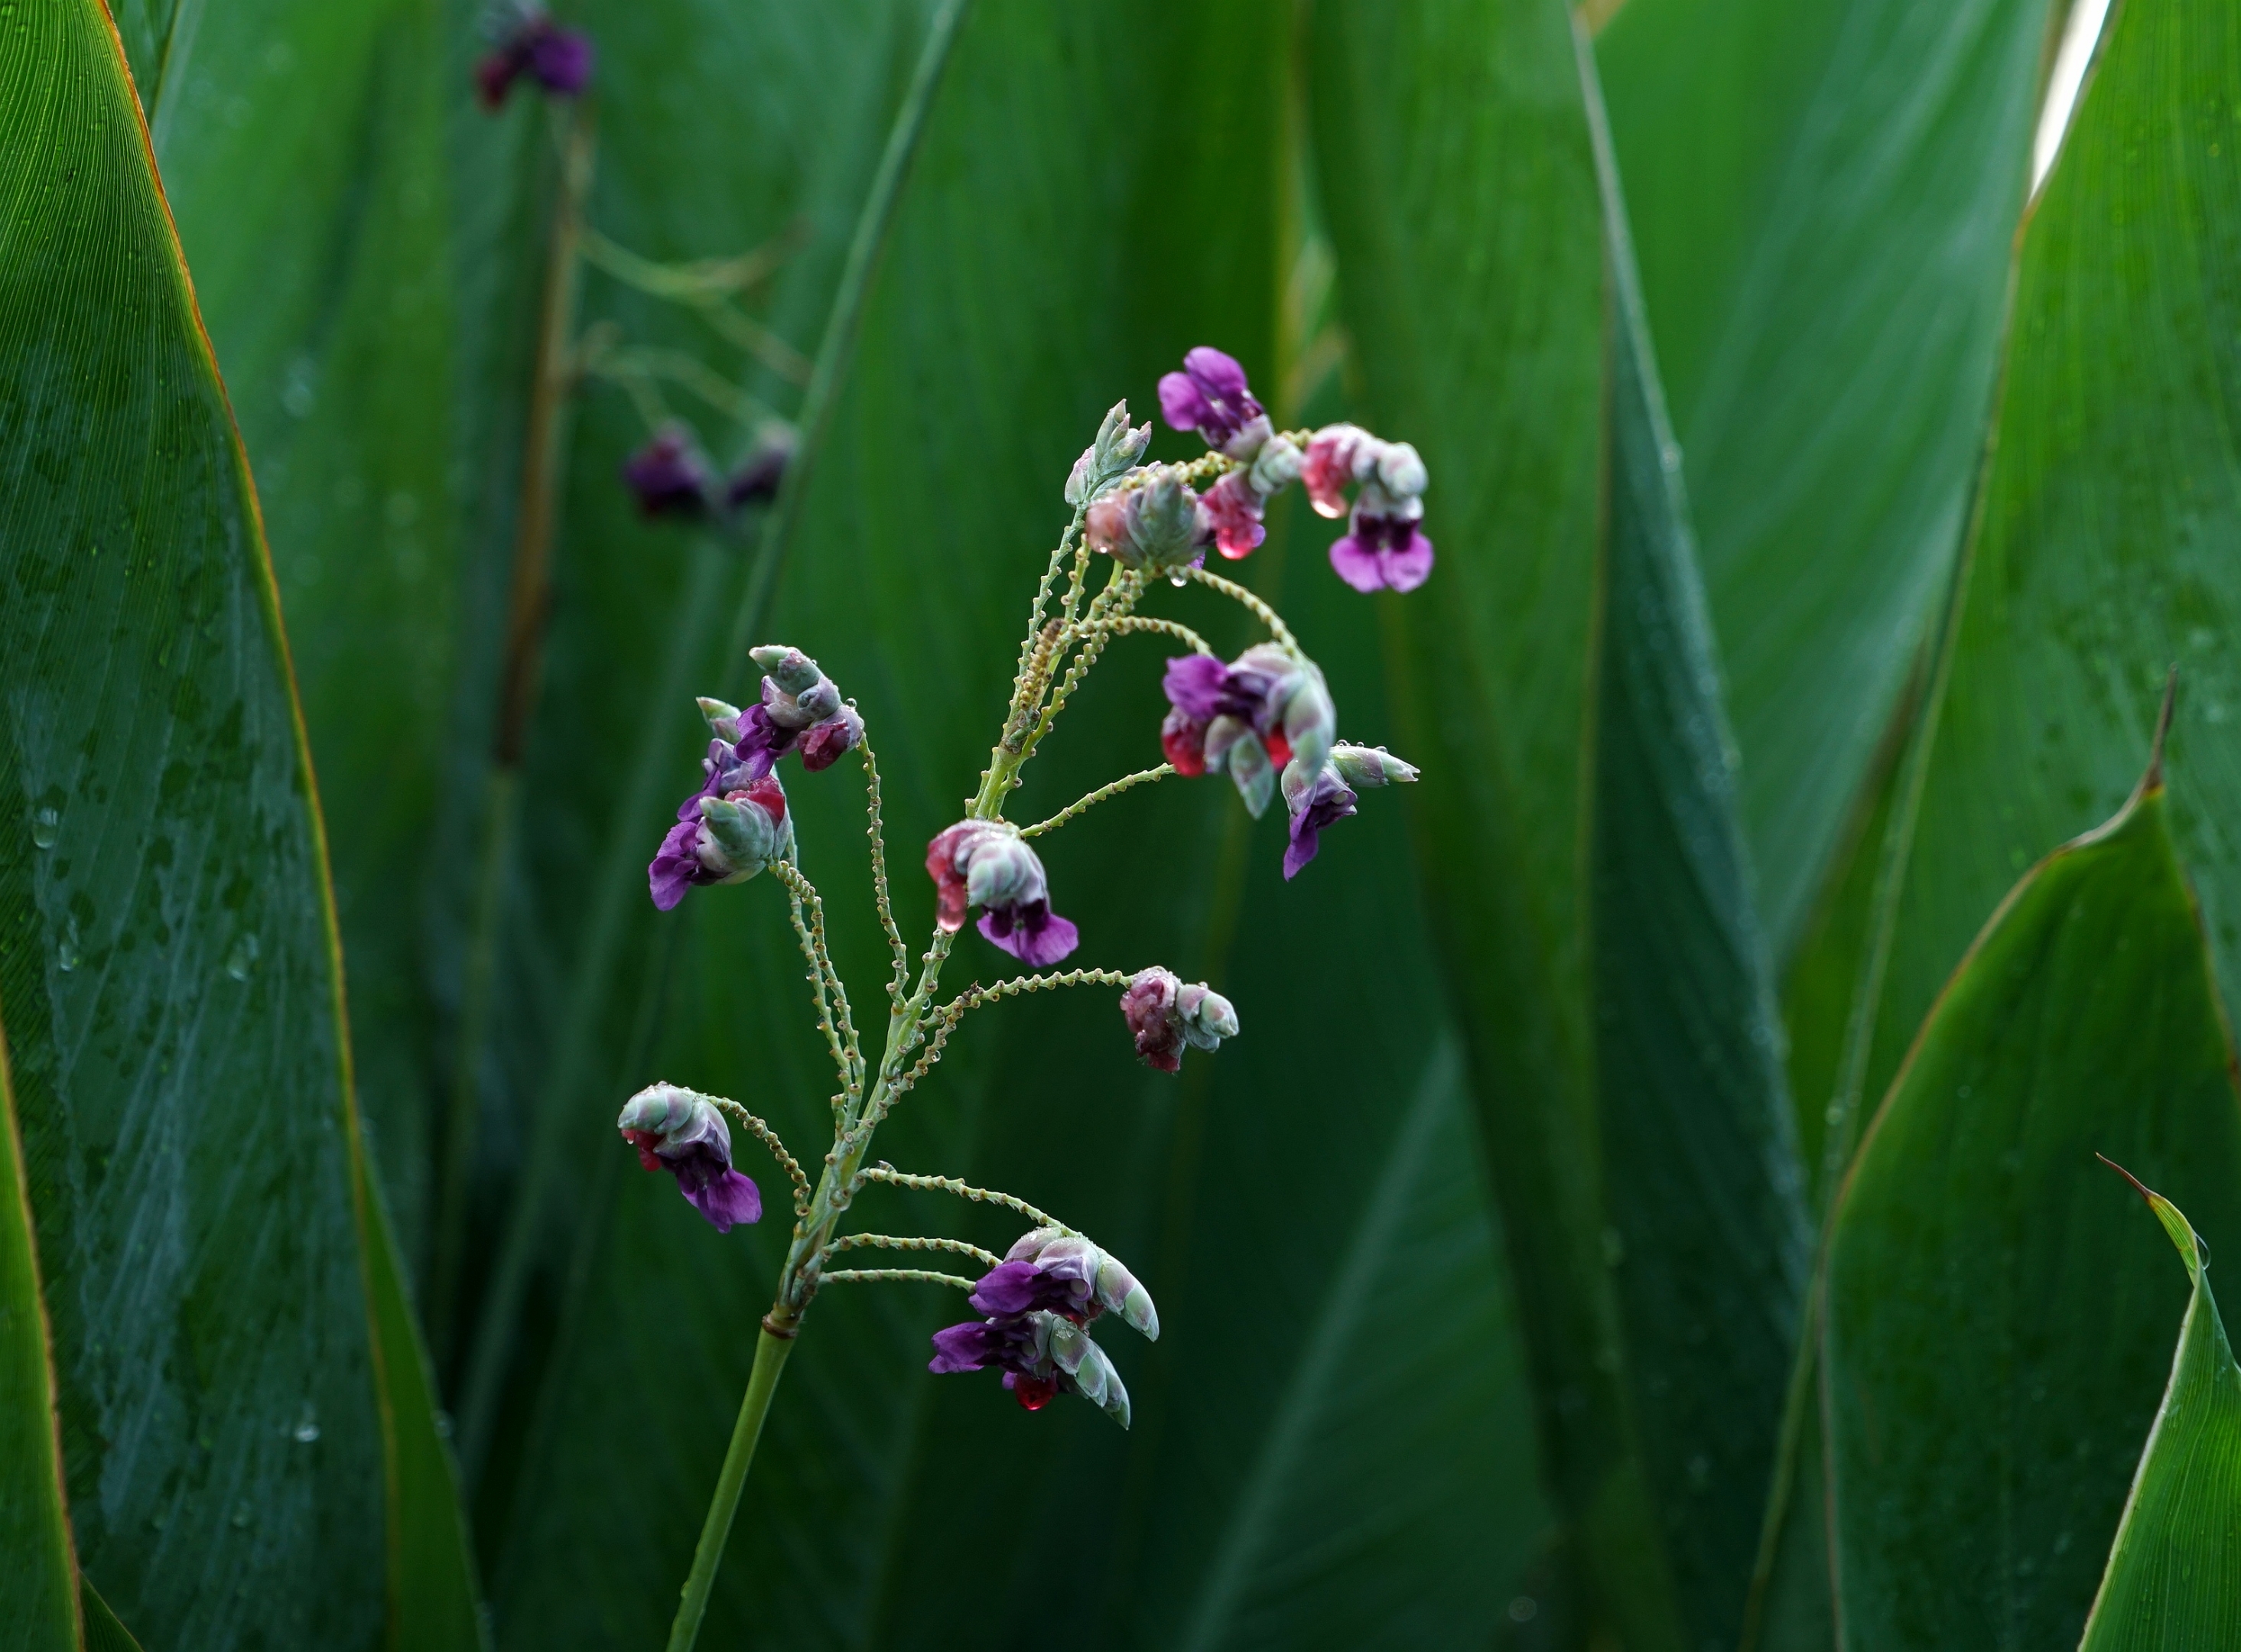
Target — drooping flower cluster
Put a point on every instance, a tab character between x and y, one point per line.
987	864
1165	1015
1267	708
737	823
1038	1301
1384	546
530	43
670	477
684	1134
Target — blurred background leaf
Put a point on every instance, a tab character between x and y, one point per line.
231	1413
2174	1576
1996	1308
1578	828
1824	196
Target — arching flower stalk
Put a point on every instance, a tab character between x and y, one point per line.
1266	718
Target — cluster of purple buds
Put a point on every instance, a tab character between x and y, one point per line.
1384	547
530	43
684	1134
800	710
987	864
1318	798
1038	1301
1267	708
1165	1015
670	477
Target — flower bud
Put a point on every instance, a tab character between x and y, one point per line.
1165	1015
793	671
1088	1370
1400	471
1310	719
823	743
1205	1016
1110	456
723	719
1102	1277
668	475
1153	526
684	1134
744	833
1276	466
1371	765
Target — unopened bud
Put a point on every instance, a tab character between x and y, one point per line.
1005	872
1109	457
1075	1351
742	837
1153	526
1205	1016
1276	466
723	719
1310	719
792	670
1371	765
1400	471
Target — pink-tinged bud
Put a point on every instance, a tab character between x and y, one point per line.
1233	511
684	1133
1153	525
1164	1016
1328	471
987	864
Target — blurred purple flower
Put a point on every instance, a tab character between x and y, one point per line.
559	60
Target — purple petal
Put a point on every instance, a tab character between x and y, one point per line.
1194	685
1358	564
1181	403
728	1199
560	59
1300	851
1033	933
1408	568
963	1348
670	874
1215	374
1009	1287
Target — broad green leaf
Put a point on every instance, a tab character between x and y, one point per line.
1578	825
1997	1311
37	1567
2174	1576
1297	1474
2109	503
328	281
1825	196
229	1404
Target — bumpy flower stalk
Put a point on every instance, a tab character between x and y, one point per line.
1266	710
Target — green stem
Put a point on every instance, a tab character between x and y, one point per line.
769	1358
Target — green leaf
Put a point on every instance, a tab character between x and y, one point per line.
229	1404
2111	492
37	1569
1825	197
1298	1473
1995	1312
1578	822
103	1633
327	281
2172	1576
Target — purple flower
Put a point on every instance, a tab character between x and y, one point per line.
1385	552
1210	395
1164	1016
728	831
1268	707
1384	549
987	864
1315	803
558	59
684	1133
1037	1301
668	477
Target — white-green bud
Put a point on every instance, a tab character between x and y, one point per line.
1370	765
723	719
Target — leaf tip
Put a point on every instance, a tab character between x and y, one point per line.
2153	779
2188	1242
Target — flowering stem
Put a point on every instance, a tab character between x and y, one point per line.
923	1275
1175	628
770	1349
1113	788
768	1137
913	1241
895	1178
1260	610
877	834
847	1054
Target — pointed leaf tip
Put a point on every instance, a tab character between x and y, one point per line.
2191	1247
2154	778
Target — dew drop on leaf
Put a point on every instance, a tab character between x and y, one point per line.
46	826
